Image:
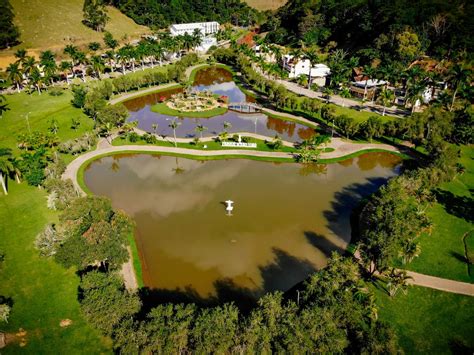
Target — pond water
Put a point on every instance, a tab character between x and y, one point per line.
219	81
287	220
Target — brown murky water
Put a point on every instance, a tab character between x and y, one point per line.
287	219
219	81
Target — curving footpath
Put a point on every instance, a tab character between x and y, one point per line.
438	283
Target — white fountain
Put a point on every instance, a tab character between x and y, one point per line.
229	207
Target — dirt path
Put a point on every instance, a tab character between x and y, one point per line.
128	273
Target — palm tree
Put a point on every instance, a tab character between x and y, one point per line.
71	51
200	128
36	79
173	125
226	125
370	73
48	61
6	167
386	97
313	57
154	127
345	93
28	65
20	56
410	250
66	67
328	92
415	93
14	74
397	280
458	76
97	64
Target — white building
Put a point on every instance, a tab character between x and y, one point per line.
206	28
297	67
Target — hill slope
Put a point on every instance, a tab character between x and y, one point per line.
266	4
51	24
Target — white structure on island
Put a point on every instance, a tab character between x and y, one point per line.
297	67
229	207
206	28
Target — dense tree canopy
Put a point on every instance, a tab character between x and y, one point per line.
157	13
8	31
400	27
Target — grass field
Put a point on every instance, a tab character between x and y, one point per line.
443	252
52	24
429	321
266	4
43	293
42	110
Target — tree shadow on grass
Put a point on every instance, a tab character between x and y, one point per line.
459	206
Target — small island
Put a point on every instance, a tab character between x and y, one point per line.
192	103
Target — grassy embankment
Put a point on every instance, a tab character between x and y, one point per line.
443	253
43	293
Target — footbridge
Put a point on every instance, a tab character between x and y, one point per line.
245	107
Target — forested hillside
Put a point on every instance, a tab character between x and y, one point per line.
377	26
161	13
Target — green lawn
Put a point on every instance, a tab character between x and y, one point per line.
43	293
443	252
211	145
165	110
42	110
429	321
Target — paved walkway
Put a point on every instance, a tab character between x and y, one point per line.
462	288
340	101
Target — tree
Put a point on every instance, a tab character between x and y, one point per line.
14	75
9	33
372	127
105	302
4	312
313	58
327	93
386	97
173	125
458	75
71	51
97	64
93	46
345	93
20	55
396	281
48	61
66	68
409	46
48	241
110	41
200	128
95	14
6	167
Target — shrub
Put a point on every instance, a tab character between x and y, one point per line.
149	138
133	137
48	241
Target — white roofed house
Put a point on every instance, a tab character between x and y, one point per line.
296	67
206	28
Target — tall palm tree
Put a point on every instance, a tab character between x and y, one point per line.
6	167
345	93
28	65
20	56
173	125
97	64
36	79
15	75
48	61
71	51
458	76
386	97
66	68
415	93
370	73
313	58
200	129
